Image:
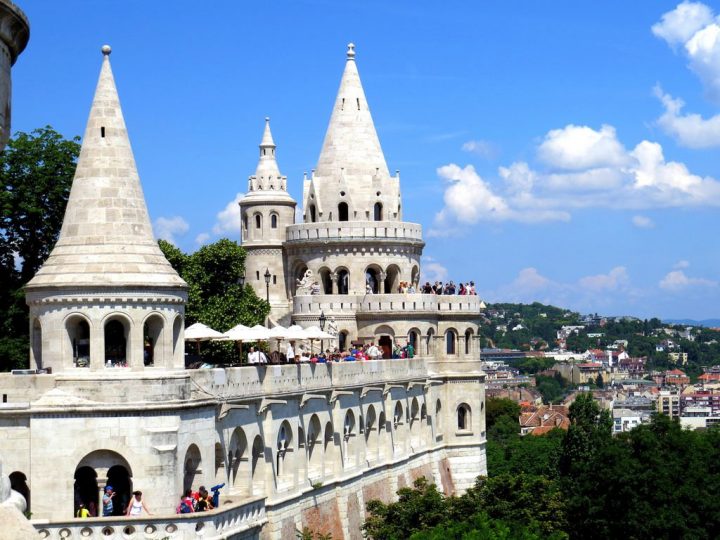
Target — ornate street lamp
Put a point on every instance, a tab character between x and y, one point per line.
241	280
267	277
322	328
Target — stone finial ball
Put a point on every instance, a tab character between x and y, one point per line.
106	50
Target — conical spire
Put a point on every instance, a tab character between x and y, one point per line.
267	175
351	145
106	237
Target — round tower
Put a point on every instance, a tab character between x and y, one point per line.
106	297
14	35
266	210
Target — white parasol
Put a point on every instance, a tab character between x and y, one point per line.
200	332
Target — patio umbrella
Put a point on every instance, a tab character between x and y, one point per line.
200	332
238	334
314	332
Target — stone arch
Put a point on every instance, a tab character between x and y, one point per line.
36	342
273	220
153	340
373	279
117	329
18	482
329	450
371	433
464	419
398	423
96	470
343	280
178	344
314	445
413	339
415	275
349	439
383	435
326	283
257	469
415	425
392	279
343	211
343	340
220	470
438	419
429	342
385	338
451	338
283	456
78	332
378	211
192	464
239	473
468	341
299	269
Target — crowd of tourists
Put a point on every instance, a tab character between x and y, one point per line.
449	288
200	500
357	352
135	506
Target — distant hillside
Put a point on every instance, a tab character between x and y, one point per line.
707	323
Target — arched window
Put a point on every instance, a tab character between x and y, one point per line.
463	417
257	468
450	342
343	281
378	211
313	217
413	340
343	336
284	446
78	333
193	461
153	350
372	280
117	333
468	340
258	221
429	342
343	212
438	417
273	221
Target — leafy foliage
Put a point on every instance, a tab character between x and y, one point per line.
37	171
215	296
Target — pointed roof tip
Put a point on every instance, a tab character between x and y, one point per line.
106	50
351	51
267	138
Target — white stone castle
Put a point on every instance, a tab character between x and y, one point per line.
295	445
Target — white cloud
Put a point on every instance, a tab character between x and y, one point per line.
168	228
682	264
432	271
679	25
690	130
228	219
643	222
484	149
616	279
581	148
201	238
693	25
676	280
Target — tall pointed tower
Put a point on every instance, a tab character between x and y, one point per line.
106	296
266	210
352	181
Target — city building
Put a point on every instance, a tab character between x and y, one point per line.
108	400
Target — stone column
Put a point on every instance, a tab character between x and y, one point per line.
135	347
97	345
381	286
334	278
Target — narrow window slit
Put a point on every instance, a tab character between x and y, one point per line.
102	132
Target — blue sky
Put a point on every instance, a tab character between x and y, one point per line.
558	151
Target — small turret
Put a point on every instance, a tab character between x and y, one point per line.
266	210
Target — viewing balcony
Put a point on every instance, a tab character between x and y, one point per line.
386	304
350	230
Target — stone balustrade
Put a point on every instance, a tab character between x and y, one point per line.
276	380
337	304
349	230
224	522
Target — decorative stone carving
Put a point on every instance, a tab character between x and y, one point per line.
304	285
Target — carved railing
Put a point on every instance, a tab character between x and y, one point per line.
348	230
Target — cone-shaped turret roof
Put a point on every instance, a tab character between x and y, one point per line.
351	142
106	238
267	181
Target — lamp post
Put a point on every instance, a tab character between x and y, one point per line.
241	280
267	277
322	328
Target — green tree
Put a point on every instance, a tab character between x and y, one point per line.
215	296
37	170
497	407
590	429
